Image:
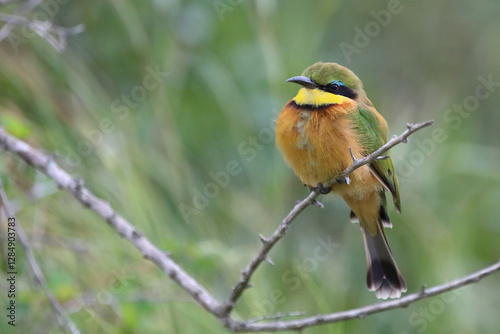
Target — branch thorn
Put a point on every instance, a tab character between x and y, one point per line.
263	239
318	204
354	159
268	260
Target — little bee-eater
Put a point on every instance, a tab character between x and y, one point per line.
329	118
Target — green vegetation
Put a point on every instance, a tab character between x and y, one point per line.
162	103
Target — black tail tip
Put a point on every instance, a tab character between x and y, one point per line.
384	278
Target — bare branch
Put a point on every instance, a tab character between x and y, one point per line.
76	188
54	35
276	316
362	312
267	244
7	28
410	129
62	318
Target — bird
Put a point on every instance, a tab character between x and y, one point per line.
328	123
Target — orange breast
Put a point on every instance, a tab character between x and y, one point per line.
315	143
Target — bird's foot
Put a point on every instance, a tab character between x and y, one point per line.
322	190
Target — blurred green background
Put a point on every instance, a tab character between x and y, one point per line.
158	99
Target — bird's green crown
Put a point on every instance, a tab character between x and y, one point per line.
326	73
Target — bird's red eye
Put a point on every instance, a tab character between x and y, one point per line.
335	87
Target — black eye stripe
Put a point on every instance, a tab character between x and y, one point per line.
339	90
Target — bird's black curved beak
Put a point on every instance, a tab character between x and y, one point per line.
304	81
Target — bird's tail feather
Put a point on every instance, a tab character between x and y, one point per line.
383	275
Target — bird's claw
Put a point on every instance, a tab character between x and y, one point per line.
323	190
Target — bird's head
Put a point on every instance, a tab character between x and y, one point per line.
327	83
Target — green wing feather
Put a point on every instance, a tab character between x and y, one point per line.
372	135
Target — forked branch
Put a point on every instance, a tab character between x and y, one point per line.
222	310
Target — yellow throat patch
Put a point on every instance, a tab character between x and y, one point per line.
317	98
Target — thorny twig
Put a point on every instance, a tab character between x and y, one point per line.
222	310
